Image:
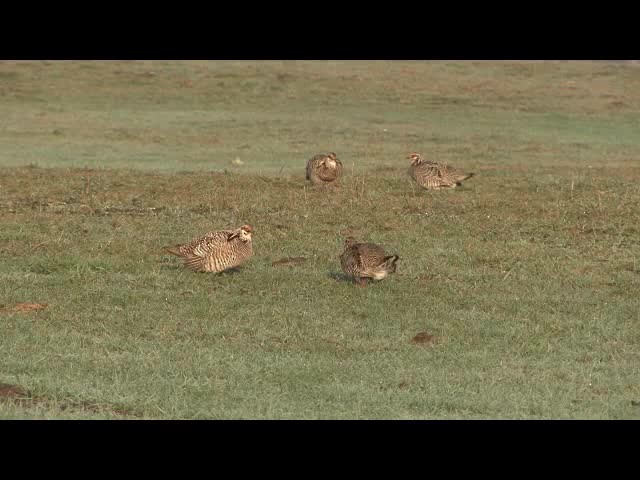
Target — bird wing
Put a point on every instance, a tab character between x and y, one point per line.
315	161
202	247
194	262
369	254
314	164
205	244
441	173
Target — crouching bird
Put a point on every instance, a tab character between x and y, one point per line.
363	261
433	175
324	169
216	251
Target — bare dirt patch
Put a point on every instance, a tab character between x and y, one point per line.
423	338
23	307
12	392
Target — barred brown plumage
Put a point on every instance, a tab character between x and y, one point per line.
435	176
324	169
216	251
363	261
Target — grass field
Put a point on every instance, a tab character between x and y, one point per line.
526	279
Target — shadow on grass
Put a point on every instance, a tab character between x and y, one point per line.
177	267
339	277
231	271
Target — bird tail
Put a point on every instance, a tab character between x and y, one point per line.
390	263
463	177
174	250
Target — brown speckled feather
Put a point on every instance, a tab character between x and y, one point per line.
435	176
366	260
216	251
324	169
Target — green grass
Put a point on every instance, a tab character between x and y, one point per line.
527	277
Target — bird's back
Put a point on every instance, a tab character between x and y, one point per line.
204	243
430	174
319	173
367	260
313	163
213	252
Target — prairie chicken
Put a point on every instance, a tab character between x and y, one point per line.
363	261
435	176
216	251
324	169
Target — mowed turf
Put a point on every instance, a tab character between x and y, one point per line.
516	296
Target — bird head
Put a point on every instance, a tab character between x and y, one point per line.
246	231
349	242
416	158
331	160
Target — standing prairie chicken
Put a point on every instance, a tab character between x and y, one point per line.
435	176
216	251
363	261
324	169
